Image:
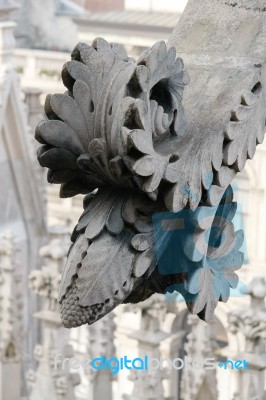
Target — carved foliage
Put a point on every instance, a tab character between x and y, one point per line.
120	129
206	165
113	251
121	123
115	113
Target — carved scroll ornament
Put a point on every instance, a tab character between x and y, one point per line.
118	136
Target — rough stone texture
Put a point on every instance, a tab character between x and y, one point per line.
120	128
224	51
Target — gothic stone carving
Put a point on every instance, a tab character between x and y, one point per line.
118	135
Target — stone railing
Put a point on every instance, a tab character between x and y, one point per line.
39	68
63	209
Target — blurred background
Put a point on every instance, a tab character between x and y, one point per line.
36	38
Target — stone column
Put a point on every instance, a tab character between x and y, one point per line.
197	383
101	343
33	110
148	384
251	323
52	379
34	107
10	322
7	40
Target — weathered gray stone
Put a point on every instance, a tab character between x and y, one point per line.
120	128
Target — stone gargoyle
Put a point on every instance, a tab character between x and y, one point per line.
154	147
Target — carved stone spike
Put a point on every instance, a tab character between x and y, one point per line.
120	128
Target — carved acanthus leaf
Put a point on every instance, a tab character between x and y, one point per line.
113	234
207	165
